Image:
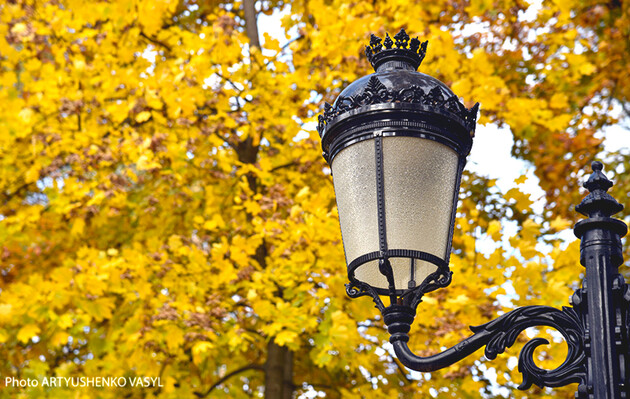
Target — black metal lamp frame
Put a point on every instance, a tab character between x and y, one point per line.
396	101
597	325
596	328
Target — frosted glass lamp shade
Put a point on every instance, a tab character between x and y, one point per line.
396	197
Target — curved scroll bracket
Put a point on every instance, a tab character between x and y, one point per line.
356	289
498	335
438	279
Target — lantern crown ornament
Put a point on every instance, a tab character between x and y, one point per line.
411	50
397	141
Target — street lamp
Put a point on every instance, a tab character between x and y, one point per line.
397	142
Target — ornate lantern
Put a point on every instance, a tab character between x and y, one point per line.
397	142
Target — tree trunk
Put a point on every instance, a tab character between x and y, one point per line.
278	372
279	365
287	393
249	6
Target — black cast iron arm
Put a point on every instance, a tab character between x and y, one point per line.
444	359
496	336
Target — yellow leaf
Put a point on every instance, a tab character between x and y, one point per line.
18	28
174	242
271	43
27	332
295	211
144	163
216	222
523	202
180	76
528	251
559	101
100	308
235	341
26	115
199	349
529	233
587	68
559	224
460	300
143	116
252	207
462	87
79	64
32	174
285	337
559	123
77	227
59	338
65	321
169	384
174	337
6	310
522	179
302	193
494	230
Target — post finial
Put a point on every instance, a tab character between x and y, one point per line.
598	202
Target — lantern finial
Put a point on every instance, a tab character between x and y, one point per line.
404	51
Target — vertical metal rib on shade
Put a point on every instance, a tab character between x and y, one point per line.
416	174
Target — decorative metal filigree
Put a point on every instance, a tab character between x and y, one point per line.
356	289
505	329
435	280
498	335
377	93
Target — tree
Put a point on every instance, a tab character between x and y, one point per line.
166	212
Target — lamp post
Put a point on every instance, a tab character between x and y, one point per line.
397	142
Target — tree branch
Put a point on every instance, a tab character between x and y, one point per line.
230	375
287	165
155	41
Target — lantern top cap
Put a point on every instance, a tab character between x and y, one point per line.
395	98
403	53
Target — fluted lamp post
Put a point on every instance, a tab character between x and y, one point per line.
397	142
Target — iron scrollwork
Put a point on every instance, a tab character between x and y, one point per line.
506	329
438	279
498	335
356	289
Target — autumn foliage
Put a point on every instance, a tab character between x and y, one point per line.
165	209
